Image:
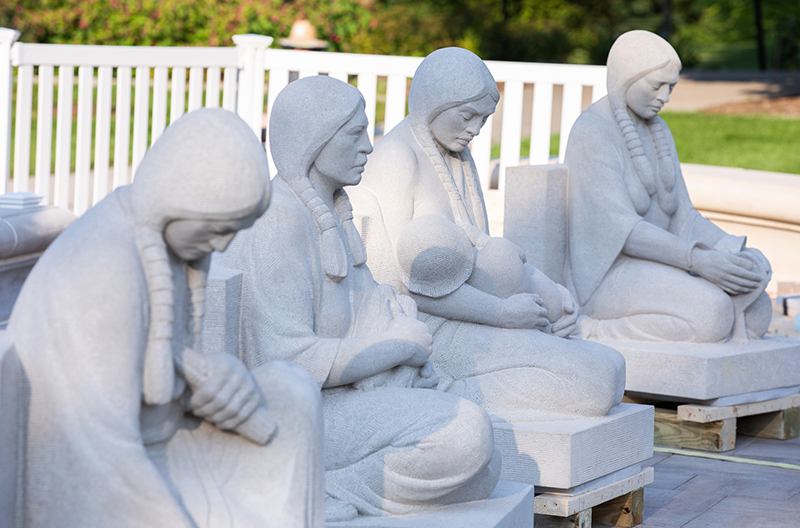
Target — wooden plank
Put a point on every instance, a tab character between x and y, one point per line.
481	150
512	129
44	133
368	86
571	100
122	127
704	413
577	520
563	505
627	510
22	134
395	101
778	425
102	135
178	101
160	82
540	123
66	77
213	76
229	89
716	436
195	88
141	116
83	141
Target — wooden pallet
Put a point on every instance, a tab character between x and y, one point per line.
617	504
707	428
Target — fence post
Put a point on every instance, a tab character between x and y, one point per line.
250	102
7	39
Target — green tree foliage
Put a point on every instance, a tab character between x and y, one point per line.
573	31
179	22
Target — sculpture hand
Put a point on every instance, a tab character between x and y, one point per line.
569	317
731	273
228	396
416	336
523	310
759	257
428	379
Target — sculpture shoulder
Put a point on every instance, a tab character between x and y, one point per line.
285	216
595	121
394	161
103	239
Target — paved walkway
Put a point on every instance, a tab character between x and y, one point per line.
691	492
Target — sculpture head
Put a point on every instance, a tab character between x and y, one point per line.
204	179
318	131
452	94
207	167
642	70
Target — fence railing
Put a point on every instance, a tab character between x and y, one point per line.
142	89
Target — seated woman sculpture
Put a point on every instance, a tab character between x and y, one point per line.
499	325
129	424
644	264
393	445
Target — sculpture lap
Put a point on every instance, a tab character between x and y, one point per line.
646	300
527	375
225	480
413	447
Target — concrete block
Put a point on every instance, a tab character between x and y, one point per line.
14	402
509	506
222	311
566	454
707	371
536	215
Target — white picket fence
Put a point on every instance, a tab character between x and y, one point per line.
237	78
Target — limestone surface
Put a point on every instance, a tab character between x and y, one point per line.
393	444
26	229
499	325
128	424
643	264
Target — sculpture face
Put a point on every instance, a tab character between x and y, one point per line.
647	96
454	128
342	159
191	239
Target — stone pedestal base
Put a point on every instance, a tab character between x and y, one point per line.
510	506
566	454
713	373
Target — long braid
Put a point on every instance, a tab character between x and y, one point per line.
460	212
633	141
334	257
197	276
344	210
158	379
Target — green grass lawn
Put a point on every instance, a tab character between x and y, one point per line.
759	142
750	142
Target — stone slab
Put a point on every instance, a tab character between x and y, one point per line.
700	371
14	400
566	454
563	505
510	506
222	310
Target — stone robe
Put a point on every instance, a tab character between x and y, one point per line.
97	456
388	448
515	374
625	297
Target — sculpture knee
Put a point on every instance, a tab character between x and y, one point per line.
471	437
715	323
289	390
759	316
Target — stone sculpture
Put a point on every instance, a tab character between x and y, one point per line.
499	325
128	424
392	444
643	263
